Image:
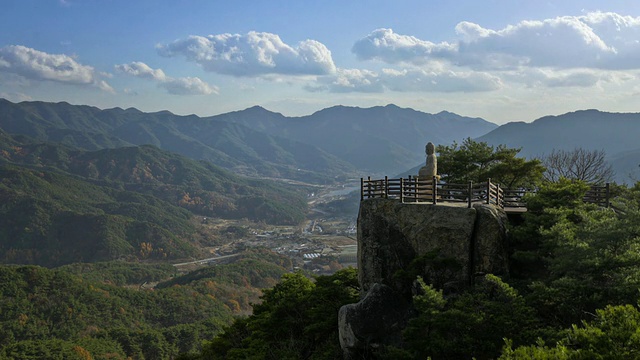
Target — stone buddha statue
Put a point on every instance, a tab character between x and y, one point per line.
431	167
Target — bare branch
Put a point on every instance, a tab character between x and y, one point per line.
578	164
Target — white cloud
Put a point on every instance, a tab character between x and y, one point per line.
188	86
40	66
407	80
446	81
253	54
385	45
579	78
141	70
355	80
595	40
177	86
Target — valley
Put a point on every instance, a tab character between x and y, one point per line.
323	243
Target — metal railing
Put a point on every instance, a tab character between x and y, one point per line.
429	190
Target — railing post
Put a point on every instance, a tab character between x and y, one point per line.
414	183
498	200
361	189
489	191
608	194
470	191
369	187
434	189
401	190
386	187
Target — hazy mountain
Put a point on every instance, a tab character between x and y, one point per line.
379	139
337	141
626	164
615	133
226	144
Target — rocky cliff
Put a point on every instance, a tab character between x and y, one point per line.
397	242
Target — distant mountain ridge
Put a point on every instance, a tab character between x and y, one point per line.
617	134
335	142
395	135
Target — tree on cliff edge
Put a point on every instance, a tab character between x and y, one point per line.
478	161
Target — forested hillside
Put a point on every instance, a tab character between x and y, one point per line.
104	310
232	146
613	133
63	205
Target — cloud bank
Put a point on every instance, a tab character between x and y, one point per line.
407	80
253	54
596	40
176	86
41	66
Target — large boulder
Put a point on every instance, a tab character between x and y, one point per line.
446	245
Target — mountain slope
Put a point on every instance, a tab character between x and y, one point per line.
395	135
335	142
614	133
101	310
232	146
200	187
51	219
60	205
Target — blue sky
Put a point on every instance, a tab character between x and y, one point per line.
500	60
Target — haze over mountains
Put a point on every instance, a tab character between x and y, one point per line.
330	145
335	142
618	134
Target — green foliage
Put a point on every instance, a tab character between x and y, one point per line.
120	273
573	258
57	314
297	319
52	219
473	323
613	334
478	161
61	349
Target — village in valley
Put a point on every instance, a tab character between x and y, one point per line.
324	243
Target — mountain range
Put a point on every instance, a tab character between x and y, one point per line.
378	139
132	181
330	144
616	133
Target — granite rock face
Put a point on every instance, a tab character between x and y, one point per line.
446	245
378	318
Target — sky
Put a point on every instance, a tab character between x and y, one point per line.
502	60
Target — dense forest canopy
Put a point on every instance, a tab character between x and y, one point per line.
103	310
